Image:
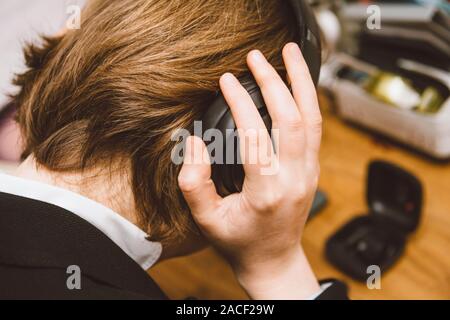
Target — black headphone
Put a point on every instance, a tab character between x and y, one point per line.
229	176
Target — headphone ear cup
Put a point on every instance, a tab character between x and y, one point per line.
234	175
227	171
231	155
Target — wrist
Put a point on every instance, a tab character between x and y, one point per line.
285	278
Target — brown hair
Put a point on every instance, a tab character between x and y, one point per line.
135	71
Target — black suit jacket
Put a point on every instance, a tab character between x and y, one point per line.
39	241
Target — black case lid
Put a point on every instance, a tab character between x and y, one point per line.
394	193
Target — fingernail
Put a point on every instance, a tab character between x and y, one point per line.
257	56
294	49
228	78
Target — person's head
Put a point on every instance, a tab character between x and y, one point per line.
110	94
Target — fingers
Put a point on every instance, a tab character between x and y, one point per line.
281	105
278	99
255	143
305	96
244	111
195	180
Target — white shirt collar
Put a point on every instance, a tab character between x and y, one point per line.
122	232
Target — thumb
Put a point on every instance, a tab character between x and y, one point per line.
195	180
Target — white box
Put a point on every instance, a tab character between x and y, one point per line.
429	133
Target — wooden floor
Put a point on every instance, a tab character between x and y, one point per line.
422	273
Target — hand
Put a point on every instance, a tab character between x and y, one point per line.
259	229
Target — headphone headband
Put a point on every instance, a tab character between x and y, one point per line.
308	36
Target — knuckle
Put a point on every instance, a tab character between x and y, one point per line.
294	124
304	191
300	193
317	176
271	202
315	124
315	173
187	183
314	183
268	78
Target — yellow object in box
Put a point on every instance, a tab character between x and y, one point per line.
394	90
431	101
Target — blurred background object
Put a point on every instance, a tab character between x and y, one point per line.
394	77
9	135
394	199
22	21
